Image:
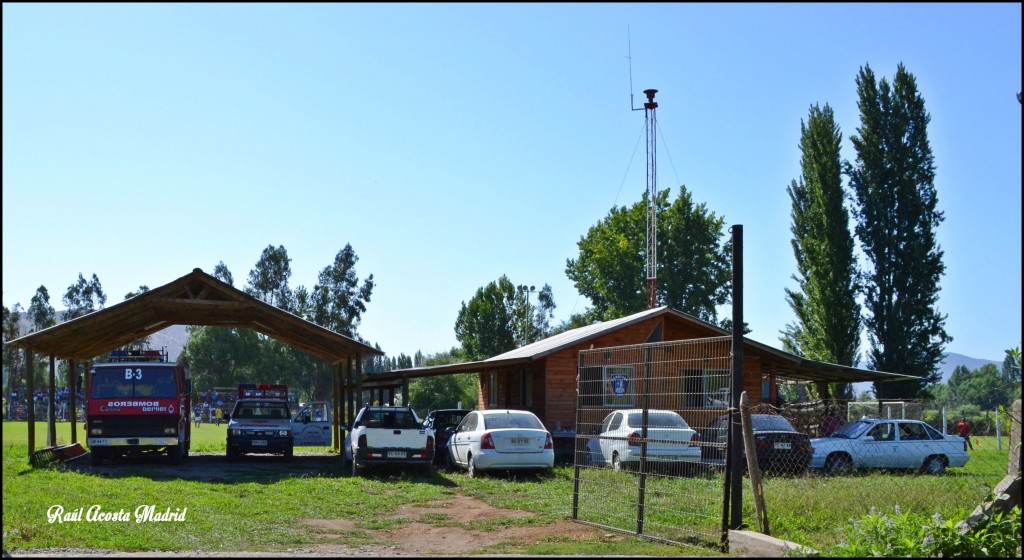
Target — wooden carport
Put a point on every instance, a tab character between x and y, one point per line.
194	299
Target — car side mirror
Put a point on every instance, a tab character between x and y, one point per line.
869	438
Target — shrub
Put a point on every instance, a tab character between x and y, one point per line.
912	535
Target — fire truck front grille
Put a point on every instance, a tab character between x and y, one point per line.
134	426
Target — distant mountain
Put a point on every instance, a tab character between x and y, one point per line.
952	361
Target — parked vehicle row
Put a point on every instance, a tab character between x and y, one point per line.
862	444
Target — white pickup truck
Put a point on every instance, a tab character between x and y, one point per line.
389	435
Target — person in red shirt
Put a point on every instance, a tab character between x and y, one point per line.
965	432
830	422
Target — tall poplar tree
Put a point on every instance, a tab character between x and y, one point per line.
827	326
893	183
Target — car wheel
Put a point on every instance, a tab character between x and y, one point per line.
355	467
839	464
471	469
935	466
428	470
616	463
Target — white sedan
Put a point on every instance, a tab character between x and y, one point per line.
669	439
501	439
888	444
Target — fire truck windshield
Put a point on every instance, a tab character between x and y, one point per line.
134	381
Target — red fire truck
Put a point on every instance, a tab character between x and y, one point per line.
138	403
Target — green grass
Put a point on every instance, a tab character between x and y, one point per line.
207	438
812	510
260	513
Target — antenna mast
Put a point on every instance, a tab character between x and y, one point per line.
651	126
651	120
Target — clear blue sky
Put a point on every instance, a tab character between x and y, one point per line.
452	144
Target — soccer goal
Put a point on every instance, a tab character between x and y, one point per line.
856	410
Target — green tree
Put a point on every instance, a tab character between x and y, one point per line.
220	356
442	391
338	301
222	273
13	359
896	218
268	281
827	326
141	343
42	315
694	270
83	297
486	326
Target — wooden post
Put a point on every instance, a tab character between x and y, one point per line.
51	415
73	399
337	390
30	388
752	467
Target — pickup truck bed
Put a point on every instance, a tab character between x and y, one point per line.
386	435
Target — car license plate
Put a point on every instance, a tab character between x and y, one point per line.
259	442
396	454
520	441
783	446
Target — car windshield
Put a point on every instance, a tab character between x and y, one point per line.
134	382
771	423
261	410
852	430
448	418
511	420
657	420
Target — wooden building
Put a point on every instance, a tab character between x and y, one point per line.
542	376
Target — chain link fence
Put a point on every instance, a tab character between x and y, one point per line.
861	457
652	441
647	462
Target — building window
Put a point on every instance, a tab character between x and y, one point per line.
706	388
526	389
492	390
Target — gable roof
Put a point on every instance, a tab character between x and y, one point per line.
194	299
799	368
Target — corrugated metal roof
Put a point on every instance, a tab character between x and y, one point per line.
552	344
799	368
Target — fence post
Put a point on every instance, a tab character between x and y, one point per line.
753	469
944	420
736	477
999	433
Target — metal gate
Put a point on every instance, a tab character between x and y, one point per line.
648	461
